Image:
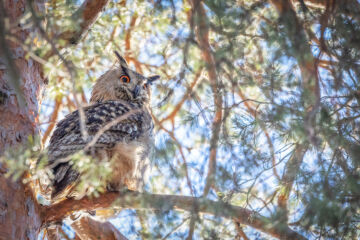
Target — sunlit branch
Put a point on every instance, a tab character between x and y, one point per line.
202	36
52	120
128	37
186	96
240	231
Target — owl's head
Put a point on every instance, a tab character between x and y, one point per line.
121	83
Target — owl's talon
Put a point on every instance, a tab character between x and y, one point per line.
116	188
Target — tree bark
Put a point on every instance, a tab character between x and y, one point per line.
88	228
21	84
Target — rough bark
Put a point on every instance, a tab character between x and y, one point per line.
88	228
20	80
21	85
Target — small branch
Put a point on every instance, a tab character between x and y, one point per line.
164	203
172	136
240	231
175	228
291	170
198	13
54	115
128	36
70	67
252	112
178	106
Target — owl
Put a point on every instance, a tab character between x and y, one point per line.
117	127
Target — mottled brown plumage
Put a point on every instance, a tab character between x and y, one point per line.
119	116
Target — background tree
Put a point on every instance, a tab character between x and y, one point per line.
257	113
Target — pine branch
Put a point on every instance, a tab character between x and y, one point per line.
137	200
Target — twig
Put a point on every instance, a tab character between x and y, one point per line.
176	228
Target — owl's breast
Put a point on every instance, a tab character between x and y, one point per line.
130	163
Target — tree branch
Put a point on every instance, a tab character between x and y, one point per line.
164	203
87	15
198	17
53	117
88	228
310	94
301	51
291	170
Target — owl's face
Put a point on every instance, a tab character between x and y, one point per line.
122	83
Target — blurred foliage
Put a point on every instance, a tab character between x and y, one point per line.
263	105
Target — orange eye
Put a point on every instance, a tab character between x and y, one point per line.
145	86
125	79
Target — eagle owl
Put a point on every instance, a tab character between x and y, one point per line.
119	129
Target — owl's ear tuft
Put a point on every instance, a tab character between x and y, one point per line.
121	59
153	78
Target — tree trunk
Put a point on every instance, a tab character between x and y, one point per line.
19	212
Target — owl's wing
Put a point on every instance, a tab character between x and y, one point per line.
123	122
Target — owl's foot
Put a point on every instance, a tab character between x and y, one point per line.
116	188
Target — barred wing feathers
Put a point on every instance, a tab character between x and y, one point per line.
123	121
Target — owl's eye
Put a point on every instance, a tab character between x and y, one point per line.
125	79
145	86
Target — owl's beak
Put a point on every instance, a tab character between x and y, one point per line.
137	91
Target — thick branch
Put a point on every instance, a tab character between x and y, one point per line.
166	202
87	15
89	228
